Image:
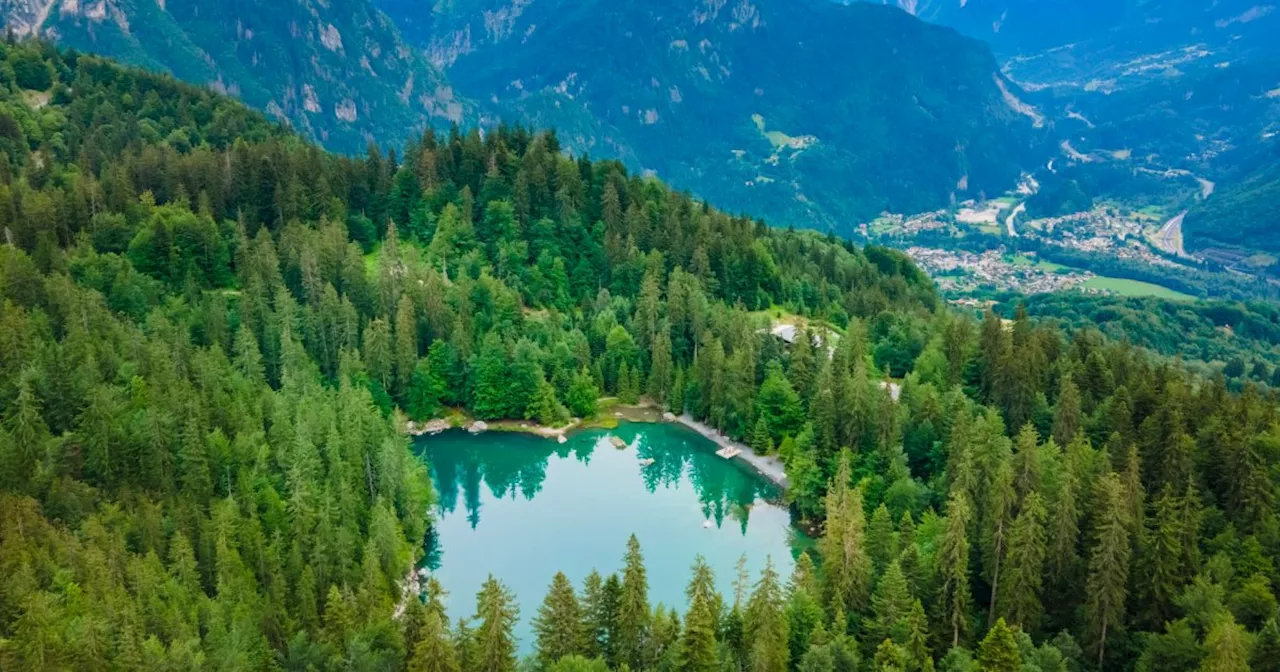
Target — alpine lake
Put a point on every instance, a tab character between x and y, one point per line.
522	507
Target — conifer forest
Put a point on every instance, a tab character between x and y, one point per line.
214	333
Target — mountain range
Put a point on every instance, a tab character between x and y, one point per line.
805	112
812	113
337	70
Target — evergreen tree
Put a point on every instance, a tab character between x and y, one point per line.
433	652
846	565
1160	549
558	625
761	440
890	608
1265	655
882	542
595	618
1067	414
661	369
889	657
697	647
1024	559
406	345
1108	582
765	624
804	612
777	405
633	609
953	601
490	397
497	613
998	651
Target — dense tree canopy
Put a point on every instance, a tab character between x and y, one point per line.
213	333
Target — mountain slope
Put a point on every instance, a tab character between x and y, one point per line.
808	113
335	69
1091	29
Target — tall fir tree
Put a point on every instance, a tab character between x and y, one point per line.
495	642
558	624
1107	586
999	651
1024	560
765	623
954	600
633	608
846	565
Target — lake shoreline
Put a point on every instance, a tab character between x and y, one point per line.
769	467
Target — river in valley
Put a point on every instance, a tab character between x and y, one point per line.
522	508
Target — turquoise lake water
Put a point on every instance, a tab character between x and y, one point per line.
522	508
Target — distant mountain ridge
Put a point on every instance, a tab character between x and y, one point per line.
804	112
335	69
1012	27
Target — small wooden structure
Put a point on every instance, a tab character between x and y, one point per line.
729	452
617	443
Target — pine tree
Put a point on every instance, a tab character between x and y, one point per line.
889	657
1064	531
847	567
1027	469
1108	582
1024	559
594	616
953	571
917	643
661	370
633	608
1160	550
804	613
697	648
998	651
433	652
765	624
890	608
761	440
558	625
497	613
1265	656
1067	414
406	345
882	542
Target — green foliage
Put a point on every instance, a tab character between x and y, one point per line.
849	166
203	379
998	651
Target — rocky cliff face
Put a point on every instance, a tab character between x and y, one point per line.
335	69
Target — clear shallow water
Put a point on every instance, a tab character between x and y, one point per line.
522	508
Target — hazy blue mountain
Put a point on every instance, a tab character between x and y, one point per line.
803	111
335	69
1092	29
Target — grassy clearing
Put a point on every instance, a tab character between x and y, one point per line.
1124	287
776	138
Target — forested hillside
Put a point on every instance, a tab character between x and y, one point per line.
802	111
336	70
214	331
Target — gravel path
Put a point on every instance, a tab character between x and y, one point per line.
768	466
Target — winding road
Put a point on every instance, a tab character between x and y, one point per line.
1169	238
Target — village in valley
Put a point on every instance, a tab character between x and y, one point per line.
979	248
